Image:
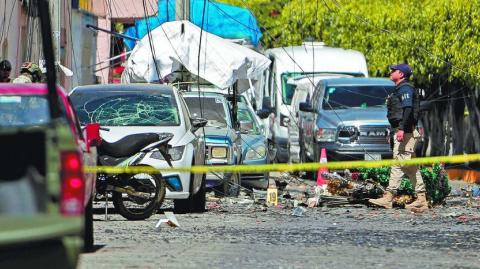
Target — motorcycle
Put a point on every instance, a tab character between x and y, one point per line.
136	196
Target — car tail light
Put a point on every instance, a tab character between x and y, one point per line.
73	184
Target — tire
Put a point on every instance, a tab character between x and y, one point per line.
232	187
195	203
88	238
155	202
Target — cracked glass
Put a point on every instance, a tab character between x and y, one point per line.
126	108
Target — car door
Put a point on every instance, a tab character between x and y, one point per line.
308	123
198	143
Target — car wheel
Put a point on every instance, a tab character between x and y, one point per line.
232	187
133	208
200	198
195	203
88	238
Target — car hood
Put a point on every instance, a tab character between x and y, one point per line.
219	135
118	132
251	141
353	117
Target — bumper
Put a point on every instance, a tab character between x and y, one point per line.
255	175
353	152
185	181
184	178
216	179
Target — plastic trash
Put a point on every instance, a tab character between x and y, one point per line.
170	220
299	211
476	191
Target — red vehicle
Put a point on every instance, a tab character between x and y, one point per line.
27	105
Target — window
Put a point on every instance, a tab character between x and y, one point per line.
122	108
245	114
343	97
213	108
20	110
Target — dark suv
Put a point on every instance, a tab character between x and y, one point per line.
347	117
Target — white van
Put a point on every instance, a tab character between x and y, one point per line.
312	58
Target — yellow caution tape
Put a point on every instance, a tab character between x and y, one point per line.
201	169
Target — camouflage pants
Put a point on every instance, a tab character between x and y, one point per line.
405	150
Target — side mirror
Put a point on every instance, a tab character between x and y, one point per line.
245	126
92	131
305	107
198	123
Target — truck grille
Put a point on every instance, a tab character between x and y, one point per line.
363	134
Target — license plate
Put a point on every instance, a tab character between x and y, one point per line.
373	157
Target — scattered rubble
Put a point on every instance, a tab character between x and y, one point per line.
170	220
348	189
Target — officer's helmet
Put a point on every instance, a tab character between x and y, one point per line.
32	69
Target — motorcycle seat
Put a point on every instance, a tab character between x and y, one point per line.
127	146
110	161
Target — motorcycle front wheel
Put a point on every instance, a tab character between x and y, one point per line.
142	195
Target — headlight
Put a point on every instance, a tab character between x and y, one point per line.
175	152
219	152
255	153
326	134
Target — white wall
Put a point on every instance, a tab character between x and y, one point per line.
10	28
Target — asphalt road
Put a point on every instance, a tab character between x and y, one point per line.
250	236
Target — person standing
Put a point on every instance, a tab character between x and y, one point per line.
403	108
5	69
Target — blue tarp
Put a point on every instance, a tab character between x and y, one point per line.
224	20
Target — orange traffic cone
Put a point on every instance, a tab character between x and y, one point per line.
323	159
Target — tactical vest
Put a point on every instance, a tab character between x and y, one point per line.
394	106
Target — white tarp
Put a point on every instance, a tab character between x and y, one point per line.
176	43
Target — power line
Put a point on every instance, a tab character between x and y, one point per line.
150	41
313	84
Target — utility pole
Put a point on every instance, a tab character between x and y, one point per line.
182	10
55	10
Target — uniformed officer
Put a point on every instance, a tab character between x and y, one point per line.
5	69
403	108
29	73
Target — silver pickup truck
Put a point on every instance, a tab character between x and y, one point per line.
347	117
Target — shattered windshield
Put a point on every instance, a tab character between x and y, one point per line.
213	110
126	108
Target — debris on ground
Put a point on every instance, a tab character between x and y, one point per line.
170	220
347	189
299	211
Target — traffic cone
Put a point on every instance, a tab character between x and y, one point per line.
322	170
